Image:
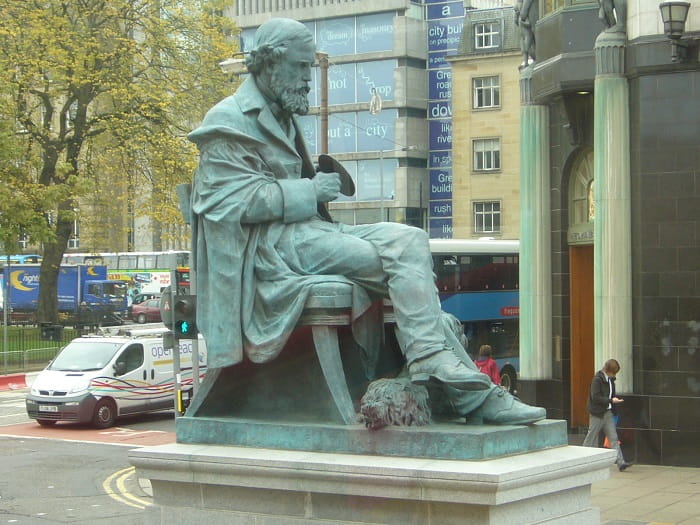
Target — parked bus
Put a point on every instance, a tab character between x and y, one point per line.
145	272
22	258
478	283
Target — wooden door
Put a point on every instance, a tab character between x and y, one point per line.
582	331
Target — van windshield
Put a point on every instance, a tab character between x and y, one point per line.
82	356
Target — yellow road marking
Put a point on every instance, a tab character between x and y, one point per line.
122	494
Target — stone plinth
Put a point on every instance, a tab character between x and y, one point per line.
226	484
447	440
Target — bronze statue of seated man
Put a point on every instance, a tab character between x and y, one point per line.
262	237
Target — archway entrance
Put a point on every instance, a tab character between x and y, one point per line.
582	328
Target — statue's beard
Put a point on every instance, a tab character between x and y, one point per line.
292	100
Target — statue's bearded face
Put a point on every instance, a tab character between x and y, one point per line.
291	77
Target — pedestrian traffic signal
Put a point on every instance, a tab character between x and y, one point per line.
185	316
166	312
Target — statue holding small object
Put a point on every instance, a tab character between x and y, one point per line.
262	238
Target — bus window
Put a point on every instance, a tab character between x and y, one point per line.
21	259
447	273
149	262
127	262
487	272
109	260
182	258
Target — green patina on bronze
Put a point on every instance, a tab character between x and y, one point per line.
263	241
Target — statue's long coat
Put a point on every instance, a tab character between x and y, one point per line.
248	299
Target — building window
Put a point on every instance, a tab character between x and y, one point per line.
549	6
487	217
23	241
487	35
487	92
487	154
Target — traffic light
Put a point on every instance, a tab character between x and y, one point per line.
166	312
185	316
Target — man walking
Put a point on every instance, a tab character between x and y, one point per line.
601	406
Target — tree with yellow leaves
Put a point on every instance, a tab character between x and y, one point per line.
97	92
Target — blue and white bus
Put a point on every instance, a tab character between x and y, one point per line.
21	258
478	284
146	272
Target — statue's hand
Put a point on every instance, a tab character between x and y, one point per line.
326	186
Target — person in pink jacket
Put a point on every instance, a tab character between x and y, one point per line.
487	365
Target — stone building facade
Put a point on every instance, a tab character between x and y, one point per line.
486	127
621	187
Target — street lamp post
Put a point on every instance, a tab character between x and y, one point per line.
5	309
381	185
375	107
323	66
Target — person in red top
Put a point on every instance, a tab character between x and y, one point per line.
487	365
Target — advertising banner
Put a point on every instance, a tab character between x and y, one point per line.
379	75
440	159
341	84
436	60
342	132
444	34
446	10
440	134
440	109
373	175
375	32
440	84
336	36
376	132
445	25
440	184
440	228
441	209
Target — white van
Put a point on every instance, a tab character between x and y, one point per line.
96	379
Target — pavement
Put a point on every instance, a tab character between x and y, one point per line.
641	495
649	495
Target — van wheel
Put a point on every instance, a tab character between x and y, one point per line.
508	379
141	318
105	413
46	422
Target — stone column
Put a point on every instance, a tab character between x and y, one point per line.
535	237
612	245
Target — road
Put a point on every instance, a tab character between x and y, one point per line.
72	473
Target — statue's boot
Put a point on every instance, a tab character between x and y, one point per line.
501	408
444	367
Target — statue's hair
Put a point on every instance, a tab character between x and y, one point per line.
257	59
272	41
397	401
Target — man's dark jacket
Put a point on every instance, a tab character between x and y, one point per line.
599	396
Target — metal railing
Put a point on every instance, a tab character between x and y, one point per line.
26	351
